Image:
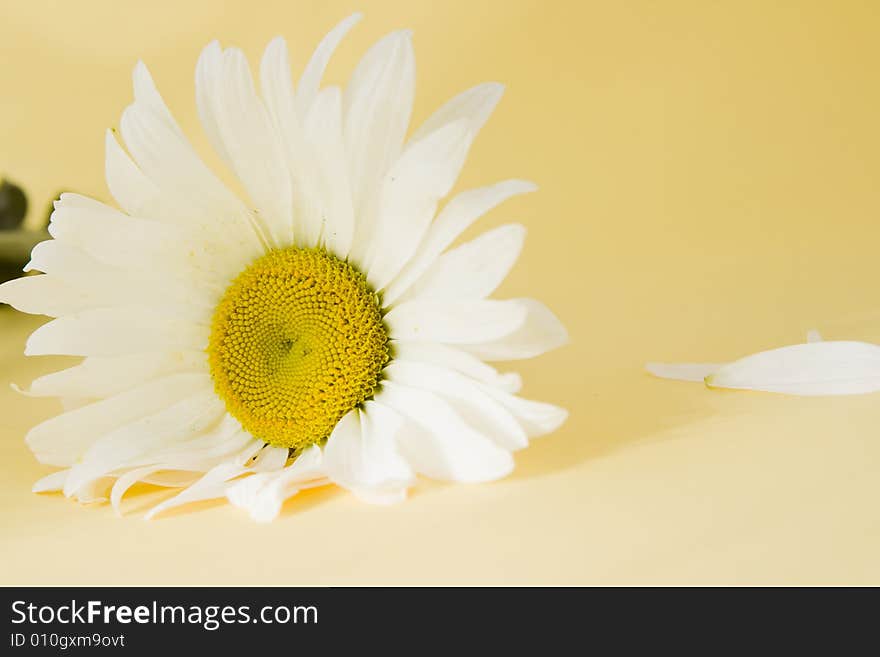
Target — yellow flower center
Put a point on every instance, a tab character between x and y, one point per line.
297	342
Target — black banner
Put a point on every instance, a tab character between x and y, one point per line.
145	620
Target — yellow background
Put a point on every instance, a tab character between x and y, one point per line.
708	176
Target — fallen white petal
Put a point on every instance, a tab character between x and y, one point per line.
699	371
815	368
683	371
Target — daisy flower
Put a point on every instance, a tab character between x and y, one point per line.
814	368
319	327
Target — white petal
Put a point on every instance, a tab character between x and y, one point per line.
361	453
110	236
438	443
95	491
310	81
474	105
67	403
270	459
816	368
154	140
469	400
276	82
211	486
61	440
46	295
315	151
163	155
242	132
140	197
540	332
138	245
133	191
408	201
328	215
209	81
473	270
377	106
51	483
78	269
456	217
280	101
172	478
126	481
458	360
455	322
682	371
114	332
537	418
146	94
105	285
263	494
225	441
125	445
99	377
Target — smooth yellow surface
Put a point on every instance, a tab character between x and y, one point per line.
709	175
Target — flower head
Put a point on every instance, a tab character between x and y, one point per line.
322	330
